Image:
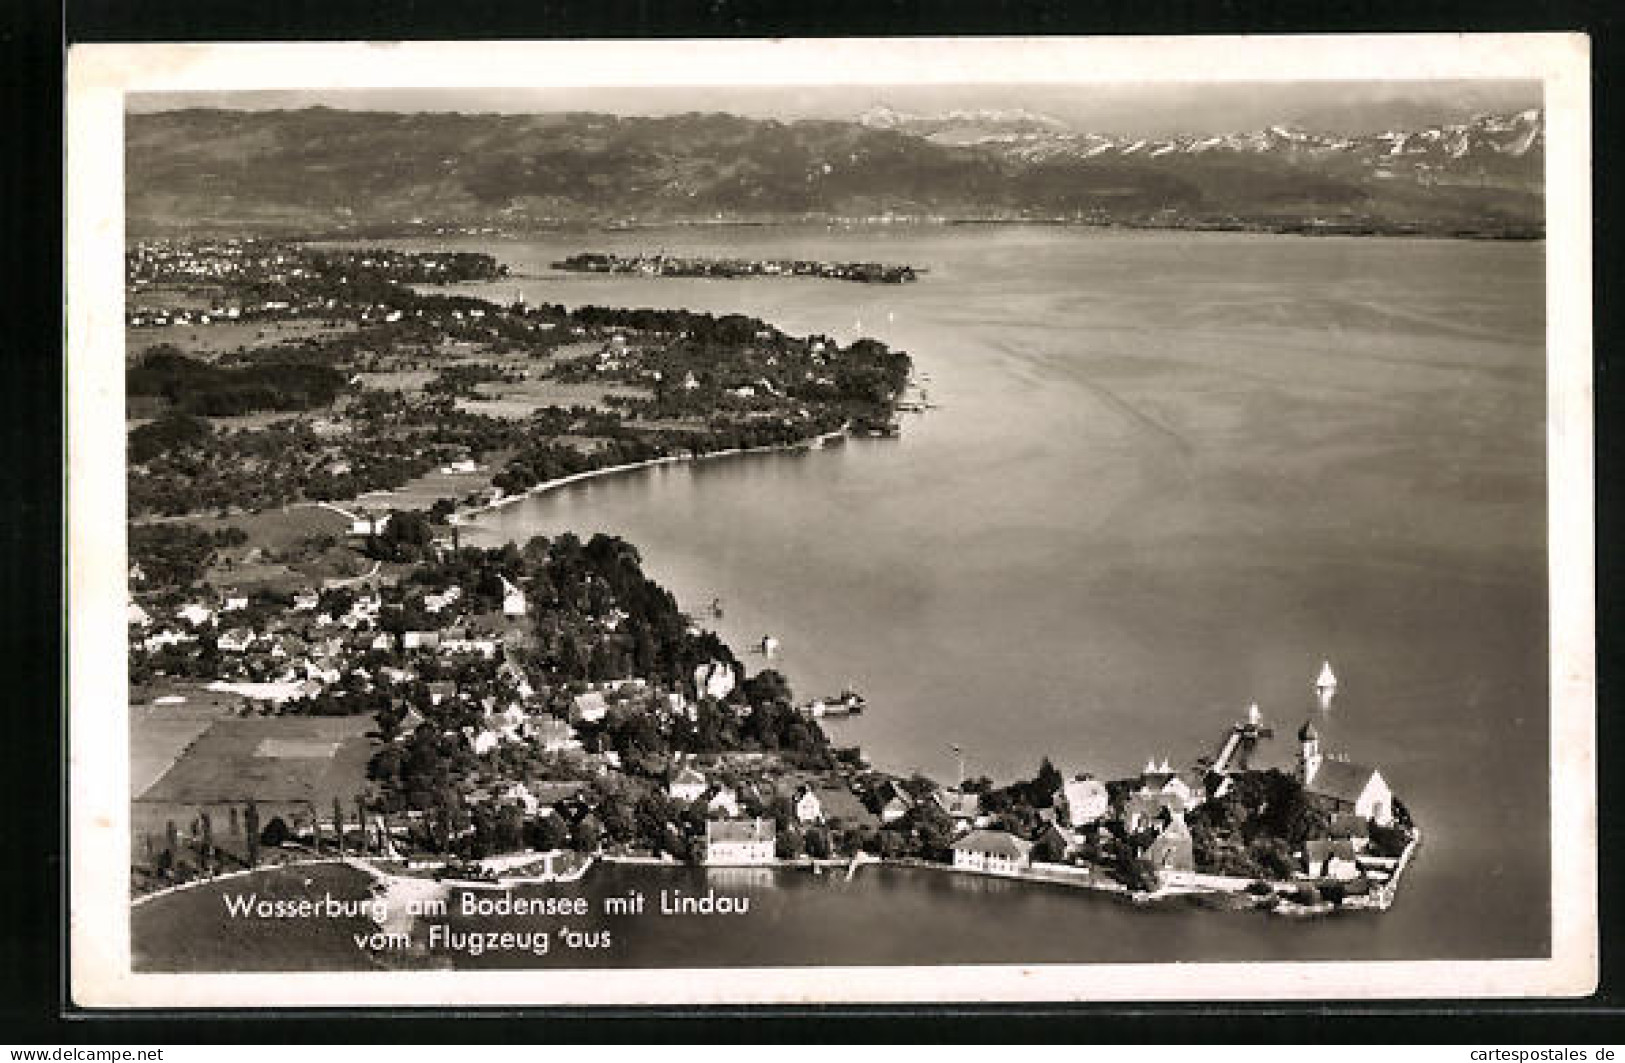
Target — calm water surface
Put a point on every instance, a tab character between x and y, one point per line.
1169	474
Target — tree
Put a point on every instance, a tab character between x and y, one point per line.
276	832
790	845
551	832
1139	876
767	687
1046	783
1048	849
206	840
818	843
361	821
251	828
935	828
589	834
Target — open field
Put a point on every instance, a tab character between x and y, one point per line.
432	486
216	338
410	381
272	759
161	733
279	529
519	400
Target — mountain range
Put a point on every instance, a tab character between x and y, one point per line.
320	169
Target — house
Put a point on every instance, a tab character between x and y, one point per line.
194	614
725	802
440	690
1172	852
1187	786
434	603
305	601
807	806
421	640
1055	840
285	647
1145	810
739	842
713	679
996	852
555	736
234	602
589	707
513	599
517	793
896	807
958	804
514	676
837	804
1330	858
327	649
894	801
136	616
167	637
458	640
687	785
1355	829
365	525
383	641
409	724
237	640
1086	800
1337	785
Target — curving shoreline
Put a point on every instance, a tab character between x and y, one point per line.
471	515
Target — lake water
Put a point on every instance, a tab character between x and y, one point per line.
1169	473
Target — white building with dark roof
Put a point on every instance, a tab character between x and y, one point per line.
996	852
687	785
731	843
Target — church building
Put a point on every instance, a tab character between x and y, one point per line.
1338	785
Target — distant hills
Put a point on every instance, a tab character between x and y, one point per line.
324	170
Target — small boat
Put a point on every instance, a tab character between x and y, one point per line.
1326	681
770	645
847	703
716	608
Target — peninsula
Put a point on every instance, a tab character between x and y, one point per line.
321	669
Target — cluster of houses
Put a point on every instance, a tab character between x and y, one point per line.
1353	795
298	651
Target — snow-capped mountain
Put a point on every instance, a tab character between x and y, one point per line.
1508	145
977	126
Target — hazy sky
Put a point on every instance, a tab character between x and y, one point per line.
1138	108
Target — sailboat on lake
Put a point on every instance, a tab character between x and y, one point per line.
1325	685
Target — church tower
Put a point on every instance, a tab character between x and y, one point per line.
1309	757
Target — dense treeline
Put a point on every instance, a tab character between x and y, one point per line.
176	555
194	387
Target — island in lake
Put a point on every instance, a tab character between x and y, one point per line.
321	669
660	264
